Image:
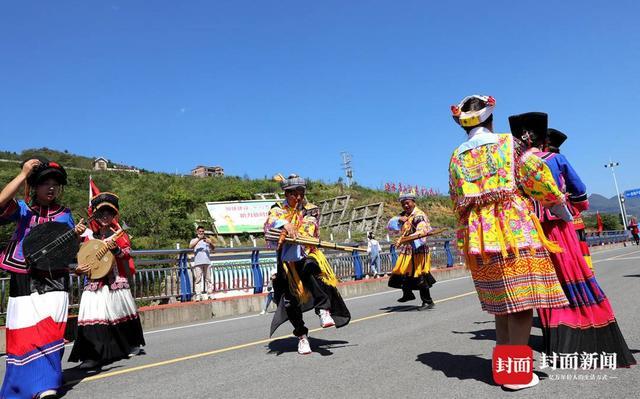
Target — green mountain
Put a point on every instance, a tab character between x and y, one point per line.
162	209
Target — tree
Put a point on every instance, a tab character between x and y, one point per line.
610	221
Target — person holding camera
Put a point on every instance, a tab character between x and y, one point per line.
202	248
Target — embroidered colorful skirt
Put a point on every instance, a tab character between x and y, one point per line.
584	247
412	271
36	322
516	283
588	323
108	324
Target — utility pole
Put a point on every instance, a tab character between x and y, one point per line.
612	165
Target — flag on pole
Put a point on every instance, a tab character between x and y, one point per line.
93	190
599	220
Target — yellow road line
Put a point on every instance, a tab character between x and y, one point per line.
227	349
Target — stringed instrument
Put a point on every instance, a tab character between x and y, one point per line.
97	255
51	247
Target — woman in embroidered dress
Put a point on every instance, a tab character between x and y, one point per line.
109	328
555	139
587	324
37	308
505	248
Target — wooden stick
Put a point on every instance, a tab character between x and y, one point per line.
406	239
314	242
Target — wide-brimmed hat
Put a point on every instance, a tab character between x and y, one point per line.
525	126
555	138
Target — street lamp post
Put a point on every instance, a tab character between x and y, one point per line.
612	165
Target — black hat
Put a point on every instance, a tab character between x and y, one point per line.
529	127
555	138
47	169
105	199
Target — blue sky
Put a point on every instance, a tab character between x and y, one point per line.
261	87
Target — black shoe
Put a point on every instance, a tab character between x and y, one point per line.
407	298
426	306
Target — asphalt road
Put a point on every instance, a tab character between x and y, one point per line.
388	350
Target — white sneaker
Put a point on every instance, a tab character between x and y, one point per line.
50	393
516	387
303	345
325	319
135	351
263	312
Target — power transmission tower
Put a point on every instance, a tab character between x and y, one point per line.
346	166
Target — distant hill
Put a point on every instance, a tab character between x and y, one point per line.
602	204
161	208
64	157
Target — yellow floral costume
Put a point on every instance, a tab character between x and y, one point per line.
502	239
305	279
413	266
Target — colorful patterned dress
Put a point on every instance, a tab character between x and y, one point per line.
304	278
413	266
37	309
109	328
502	239
569	182
587	323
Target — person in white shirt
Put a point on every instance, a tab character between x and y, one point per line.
374	249
202	248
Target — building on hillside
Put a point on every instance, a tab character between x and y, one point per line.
207	171
102	163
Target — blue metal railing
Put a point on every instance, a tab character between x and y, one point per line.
167	274
608	237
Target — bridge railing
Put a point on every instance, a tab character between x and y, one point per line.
165	275
608	237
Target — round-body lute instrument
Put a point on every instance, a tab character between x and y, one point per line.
50	247
97	255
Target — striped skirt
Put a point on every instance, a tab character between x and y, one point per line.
35	336
587	323
516	283
108	324
584	247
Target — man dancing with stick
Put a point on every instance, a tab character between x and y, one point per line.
304	279
412	270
